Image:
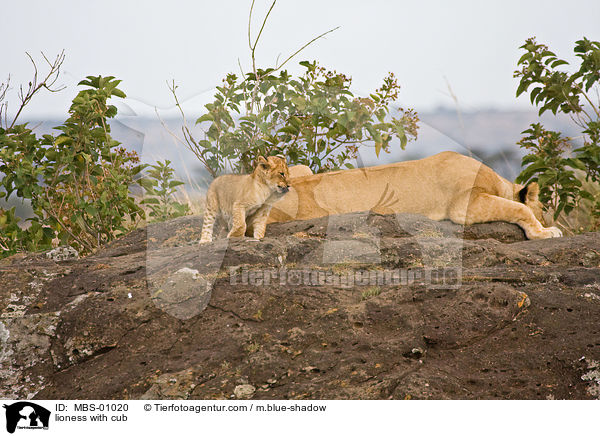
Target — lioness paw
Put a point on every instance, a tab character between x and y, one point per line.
548	232
544	233
555	232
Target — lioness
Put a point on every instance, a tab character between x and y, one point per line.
246	200
299	171
447	185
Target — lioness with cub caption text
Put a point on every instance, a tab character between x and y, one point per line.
447	185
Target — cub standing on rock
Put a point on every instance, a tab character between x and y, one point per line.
246	200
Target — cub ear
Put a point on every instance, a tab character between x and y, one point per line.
529	193
262	162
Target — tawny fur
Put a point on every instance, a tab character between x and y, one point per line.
299	171
447	185
246	200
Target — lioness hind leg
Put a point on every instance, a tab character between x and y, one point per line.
482	208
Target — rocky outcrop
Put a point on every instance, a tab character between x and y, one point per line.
356	306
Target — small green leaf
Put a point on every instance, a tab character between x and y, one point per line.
205	117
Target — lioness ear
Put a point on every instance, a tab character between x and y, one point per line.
533	191
529	193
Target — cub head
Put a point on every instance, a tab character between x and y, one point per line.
273	171
529	195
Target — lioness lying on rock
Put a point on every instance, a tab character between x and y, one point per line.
447	185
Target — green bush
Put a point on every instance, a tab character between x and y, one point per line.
78	182
552	161
159	188
313	119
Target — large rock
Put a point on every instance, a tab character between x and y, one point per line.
354	306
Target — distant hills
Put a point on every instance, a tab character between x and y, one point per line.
489	135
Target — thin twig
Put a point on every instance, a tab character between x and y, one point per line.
304	46
588	99
244	79
50	211
574	108
178	139
4	104
263	24
249	25
188	140
458	110
34	86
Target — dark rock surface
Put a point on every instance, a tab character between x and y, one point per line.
356	306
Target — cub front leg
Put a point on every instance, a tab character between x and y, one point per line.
258	223
238	229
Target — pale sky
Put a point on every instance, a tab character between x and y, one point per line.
472	45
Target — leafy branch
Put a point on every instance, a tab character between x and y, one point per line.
552	160
77	182
313	118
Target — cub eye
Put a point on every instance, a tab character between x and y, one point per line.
282	174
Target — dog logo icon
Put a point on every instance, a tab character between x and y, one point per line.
26	415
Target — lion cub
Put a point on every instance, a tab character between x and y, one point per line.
246	200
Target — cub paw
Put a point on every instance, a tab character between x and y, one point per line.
236	234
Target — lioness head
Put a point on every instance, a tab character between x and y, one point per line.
529	195
273	171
